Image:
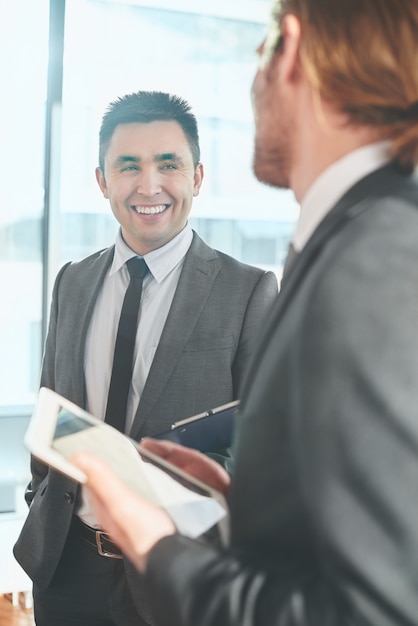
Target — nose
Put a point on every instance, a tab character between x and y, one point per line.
148	182
259	50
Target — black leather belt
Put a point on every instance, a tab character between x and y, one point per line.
97	540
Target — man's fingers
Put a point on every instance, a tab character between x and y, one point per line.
191	461
133	523
100	478
165	449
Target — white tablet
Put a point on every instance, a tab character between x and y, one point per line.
59	428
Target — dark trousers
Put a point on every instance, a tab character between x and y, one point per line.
86	590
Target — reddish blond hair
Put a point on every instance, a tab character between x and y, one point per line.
362	57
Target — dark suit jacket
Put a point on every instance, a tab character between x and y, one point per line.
324	503
212	326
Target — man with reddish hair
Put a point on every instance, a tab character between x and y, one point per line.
324	496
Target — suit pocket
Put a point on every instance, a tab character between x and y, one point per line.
205	342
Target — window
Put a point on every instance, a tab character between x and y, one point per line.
23	75
205	54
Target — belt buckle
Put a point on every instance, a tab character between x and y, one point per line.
102	552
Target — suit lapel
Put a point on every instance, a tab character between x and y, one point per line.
201	266
89	287
353	203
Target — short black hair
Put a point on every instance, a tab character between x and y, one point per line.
145	107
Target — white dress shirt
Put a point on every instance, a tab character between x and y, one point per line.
158	289
332	184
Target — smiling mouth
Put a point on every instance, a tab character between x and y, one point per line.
150	210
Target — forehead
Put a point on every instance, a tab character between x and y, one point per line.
144	141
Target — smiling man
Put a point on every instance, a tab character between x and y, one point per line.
199	314
150	177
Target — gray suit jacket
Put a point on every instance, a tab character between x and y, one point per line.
212	326
324	502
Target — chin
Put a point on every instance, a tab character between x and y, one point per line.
271	174
271	166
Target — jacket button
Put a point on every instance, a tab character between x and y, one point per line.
69	497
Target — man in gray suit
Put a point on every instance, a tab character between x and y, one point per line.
324	496
199	316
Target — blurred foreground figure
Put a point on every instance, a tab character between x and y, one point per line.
324	497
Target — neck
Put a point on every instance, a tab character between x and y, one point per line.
323	136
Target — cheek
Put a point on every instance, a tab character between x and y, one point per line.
123	190
183	188
258	90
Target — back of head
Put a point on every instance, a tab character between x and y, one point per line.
145	107
362	57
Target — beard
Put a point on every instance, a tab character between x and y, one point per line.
272	159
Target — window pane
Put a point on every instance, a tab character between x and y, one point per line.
23	54
206	55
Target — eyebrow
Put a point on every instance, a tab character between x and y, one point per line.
125	158
158	158
168	156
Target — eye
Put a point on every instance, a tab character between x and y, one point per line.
129	168
168	166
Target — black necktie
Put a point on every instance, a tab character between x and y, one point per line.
124	346
289	260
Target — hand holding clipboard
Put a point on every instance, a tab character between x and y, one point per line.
208	431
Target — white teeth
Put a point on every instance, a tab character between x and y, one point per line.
150	210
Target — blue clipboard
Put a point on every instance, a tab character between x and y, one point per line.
208	431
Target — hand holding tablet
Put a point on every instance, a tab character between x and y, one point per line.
59	429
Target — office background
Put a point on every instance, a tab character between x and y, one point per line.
62	62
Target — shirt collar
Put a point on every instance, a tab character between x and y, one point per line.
332	184
160	261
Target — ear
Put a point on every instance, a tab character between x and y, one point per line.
288	57
198	177
102	182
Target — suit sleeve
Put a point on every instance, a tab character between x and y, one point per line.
39	470
260	303
355	448
259	306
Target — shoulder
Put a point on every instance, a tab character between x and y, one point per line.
369	266
76	273
101	257
95	261
227	263
382	217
